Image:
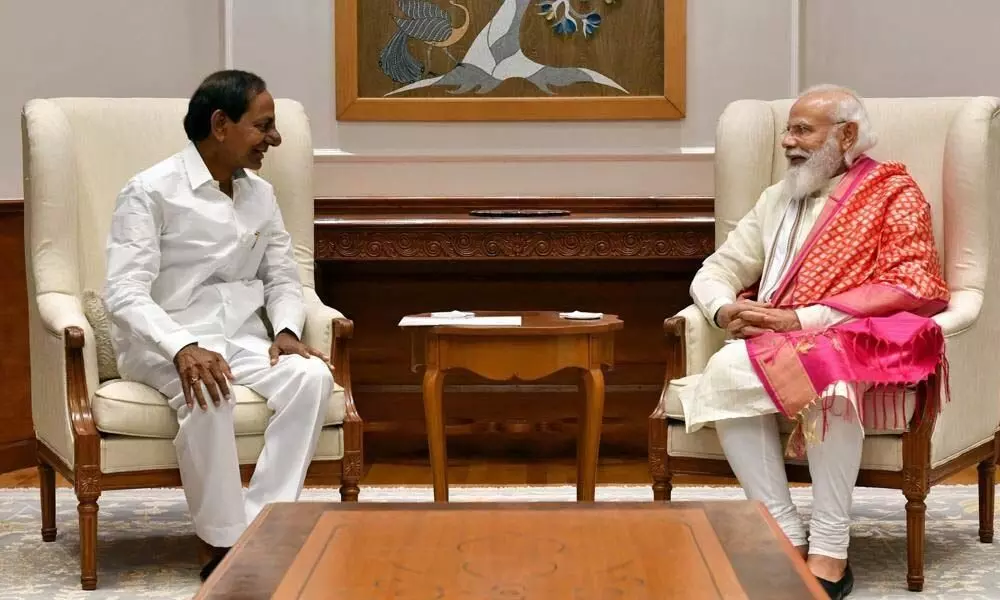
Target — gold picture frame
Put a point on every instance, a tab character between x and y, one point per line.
353	105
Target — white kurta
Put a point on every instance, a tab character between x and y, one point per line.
186	263
761	248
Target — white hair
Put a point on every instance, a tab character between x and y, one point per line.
849	109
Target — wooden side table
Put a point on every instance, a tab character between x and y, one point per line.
543	344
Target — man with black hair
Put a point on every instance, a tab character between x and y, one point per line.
197	248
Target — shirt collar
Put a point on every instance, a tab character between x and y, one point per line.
198	174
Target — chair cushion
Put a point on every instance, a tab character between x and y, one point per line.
134	409
871	402
129	453
879	452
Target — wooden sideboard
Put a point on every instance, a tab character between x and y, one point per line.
17	436
379	259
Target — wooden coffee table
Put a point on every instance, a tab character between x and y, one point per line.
543	344
638	551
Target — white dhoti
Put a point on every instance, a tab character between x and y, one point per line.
730	394
297	390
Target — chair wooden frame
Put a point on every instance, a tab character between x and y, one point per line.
914	479
88	481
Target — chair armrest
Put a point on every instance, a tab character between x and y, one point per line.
64	370
972	416
328	330
698	339
962	312
691	342
60	311
318	331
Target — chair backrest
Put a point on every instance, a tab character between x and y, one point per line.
951	147
80	152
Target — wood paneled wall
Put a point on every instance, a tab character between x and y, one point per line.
17	437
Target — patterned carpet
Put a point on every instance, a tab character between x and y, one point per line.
147	547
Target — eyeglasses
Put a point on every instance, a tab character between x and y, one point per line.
803	130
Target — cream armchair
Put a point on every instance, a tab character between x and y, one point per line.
100	432
951	146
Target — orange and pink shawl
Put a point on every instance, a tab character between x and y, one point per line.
871	254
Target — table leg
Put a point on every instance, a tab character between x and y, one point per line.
589	441
434	421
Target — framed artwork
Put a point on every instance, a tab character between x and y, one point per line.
509	60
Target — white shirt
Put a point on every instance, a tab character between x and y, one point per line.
762	247
186	263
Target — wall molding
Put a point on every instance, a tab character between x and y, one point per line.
685	154
686	171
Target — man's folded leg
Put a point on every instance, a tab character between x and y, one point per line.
834	461
209	466
753	449
730	394
298	390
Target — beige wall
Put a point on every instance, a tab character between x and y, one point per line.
736	49
54	48
904	47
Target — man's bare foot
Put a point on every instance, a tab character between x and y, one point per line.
824	567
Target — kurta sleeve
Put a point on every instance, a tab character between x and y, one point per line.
280	274
818	316
133	257
735	266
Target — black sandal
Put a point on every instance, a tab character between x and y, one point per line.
839	589
206	571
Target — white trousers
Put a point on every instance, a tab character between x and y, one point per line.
730	394
298	391
753	449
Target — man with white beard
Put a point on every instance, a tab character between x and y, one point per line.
840	248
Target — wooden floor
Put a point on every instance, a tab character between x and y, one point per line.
495	472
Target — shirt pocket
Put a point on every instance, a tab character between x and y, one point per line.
201	232
251	248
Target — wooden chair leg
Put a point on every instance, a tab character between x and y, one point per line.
349	489
987	491
47	485
916	512
352	465
659	462
916	478
87	493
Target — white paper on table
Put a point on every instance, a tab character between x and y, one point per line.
581	316
514	321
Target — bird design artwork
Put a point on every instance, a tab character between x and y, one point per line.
428	23
495	54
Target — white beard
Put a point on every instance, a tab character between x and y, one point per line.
807	178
